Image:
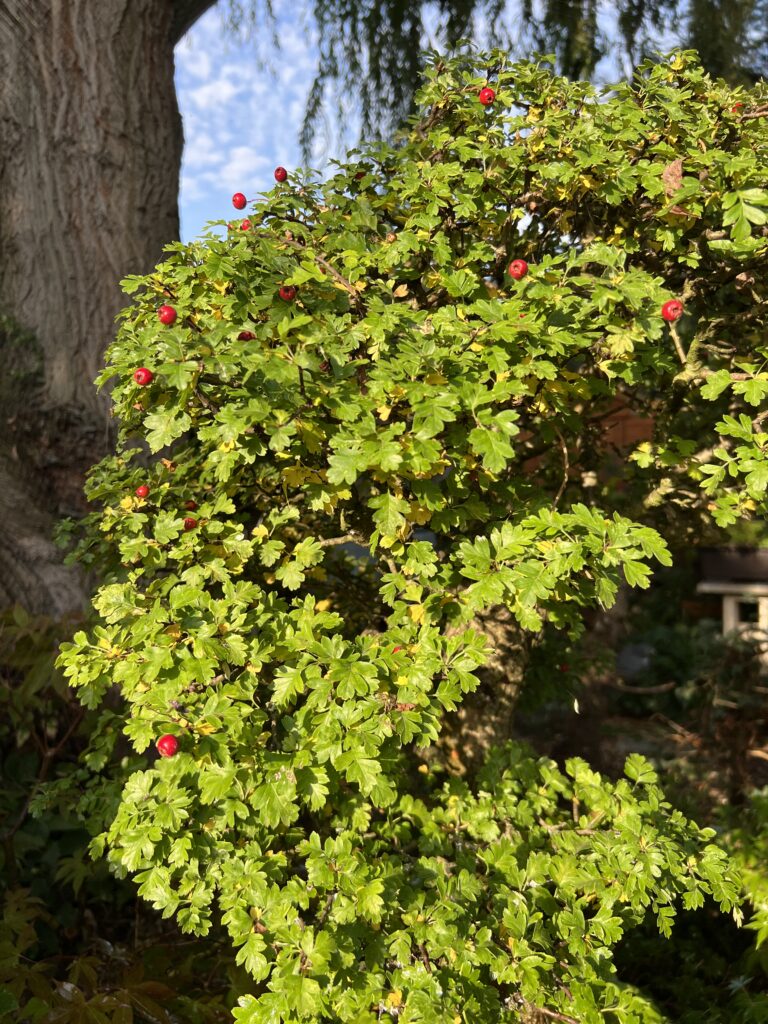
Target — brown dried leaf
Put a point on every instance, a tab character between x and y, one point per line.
672	176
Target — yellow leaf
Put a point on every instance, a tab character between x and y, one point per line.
226	446
205	728
127	503
418	514
220	286
416	612
476	346
395	999
401	291
324	605
218	315
294	476
312	437
383	412
260	531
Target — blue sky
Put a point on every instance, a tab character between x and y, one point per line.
241	120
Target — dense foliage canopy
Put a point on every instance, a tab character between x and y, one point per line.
359	432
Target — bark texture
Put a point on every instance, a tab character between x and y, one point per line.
90	151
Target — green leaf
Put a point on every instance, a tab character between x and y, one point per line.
389	513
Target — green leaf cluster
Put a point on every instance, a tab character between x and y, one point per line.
405	447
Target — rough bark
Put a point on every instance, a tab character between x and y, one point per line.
90	151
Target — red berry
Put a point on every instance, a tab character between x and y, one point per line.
396	649
239	201
280	174
166	314
142	491
167	745
486	96
736	107
245	225
672	310
190	523
246	336
143	376
190	505
517	269
564	667
287	293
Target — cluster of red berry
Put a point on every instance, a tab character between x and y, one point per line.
142	491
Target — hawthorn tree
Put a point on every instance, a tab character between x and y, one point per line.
90	149
375	408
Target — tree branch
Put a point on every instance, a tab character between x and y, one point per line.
185	14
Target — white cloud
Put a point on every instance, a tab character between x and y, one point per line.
240	120
214	94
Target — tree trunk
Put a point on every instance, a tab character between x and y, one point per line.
90	151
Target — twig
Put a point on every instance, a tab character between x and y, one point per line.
42	775
326	909
566	467
678	347
346	285
206	401
551	1014
347	538
426	961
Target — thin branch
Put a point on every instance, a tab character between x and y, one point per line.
566	467
42	775
345	284
551	1014
326	909
678	347
347	538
